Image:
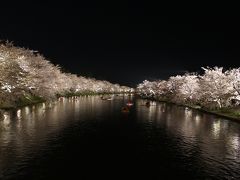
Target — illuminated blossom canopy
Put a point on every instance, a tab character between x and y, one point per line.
25	73
215	88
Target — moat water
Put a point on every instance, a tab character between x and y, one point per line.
91	138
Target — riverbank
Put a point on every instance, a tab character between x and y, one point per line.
31	100
26	77
225	113
21	102
229	113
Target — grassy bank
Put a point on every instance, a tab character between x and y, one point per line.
229	113
30	100
23	101
88	93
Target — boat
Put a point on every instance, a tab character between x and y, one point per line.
107	98
147	104
125	110
129	103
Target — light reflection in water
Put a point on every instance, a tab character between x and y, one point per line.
31	127
216	128
234	141
19	114
194	131
152	111
6	119
212	143
197	119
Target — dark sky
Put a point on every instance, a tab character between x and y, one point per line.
122	42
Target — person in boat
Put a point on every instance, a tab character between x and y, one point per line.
125	109
148	103
129	103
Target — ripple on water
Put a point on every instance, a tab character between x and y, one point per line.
89	131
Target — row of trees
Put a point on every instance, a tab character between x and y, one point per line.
25	73
214	89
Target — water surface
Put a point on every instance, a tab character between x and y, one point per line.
89	138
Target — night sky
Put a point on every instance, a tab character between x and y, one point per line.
124	43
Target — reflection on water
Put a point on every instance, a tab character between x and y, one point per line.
212	141
188	142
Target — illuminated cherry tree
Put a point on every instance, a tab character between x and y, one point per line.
215	88
234	74
189	90
25	73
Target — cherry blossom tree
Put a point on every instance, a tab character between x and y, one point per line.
24	73
216	88
189	89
